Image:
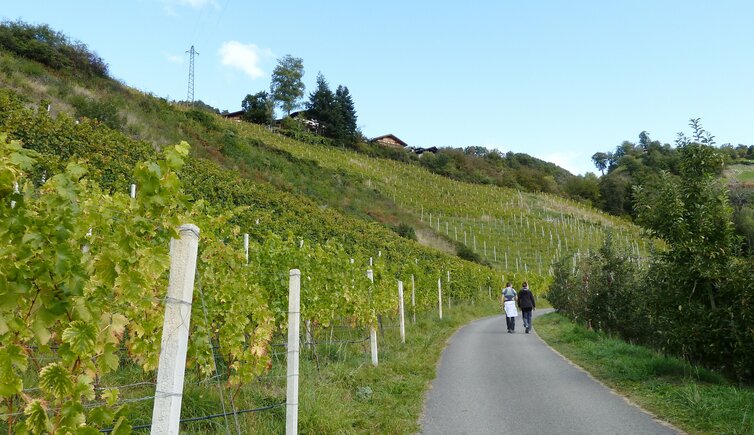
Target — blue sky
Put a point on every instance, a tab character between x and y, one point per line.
559	80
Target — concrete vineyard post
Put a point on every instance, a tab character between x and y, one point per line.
294	322
401	313
372	329
166	413
439	296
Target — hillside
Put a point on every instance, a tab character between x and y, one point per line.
85	264
519	233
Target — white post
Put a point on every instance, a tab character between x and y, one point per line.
294	322
400	312
166	413
246	246
372	330
133	191
439	295
413	297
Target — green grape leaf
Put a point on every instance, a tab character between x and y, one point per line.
101	416
71	415
41	333
12	358
122	427
81	336
110	396
84	387
108	361
55	379
36	417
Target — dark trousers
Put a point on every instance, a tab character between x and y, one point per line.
526	315
511	323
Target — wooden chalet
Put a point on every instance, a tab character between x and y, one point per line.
390	140
234	116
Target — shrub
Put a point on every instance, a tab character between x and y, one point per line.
406	231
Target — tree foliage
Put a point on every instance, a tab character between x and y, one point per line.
334	113
696	297
51	48
258	108
287	86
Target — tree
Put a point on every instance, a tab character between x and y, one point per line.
322	109
286	87
346	112
258	108
600	160
644	140
693	215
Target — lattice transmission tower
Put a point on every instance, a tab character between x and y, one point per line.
191	52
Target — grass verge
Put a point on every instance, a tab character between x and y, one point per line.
693	399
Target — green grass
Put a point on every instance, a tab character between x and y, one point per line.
740	173
693	399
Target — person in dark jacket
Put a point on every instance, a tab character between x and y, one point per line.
526	304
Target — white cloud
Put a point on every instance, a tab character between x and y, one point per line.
174	58
245	57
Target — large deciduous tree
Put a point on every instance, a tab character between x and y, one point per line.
287	86
258	108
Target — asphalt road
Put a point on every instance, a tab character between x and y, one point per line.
492	382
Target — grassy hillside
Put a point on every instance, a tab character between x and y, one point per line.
518	233
99	257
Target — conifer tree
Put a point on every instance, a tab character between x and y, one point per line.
322	109
347	112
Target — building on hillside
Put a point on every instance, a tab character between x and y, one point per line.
390	140
420	151
303	117
234	116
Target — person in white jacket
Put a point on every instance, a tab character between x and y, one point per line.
508	300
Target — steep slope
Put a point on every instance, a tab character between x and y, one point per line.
519	233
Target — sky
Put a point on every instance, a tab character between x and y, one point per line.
559	80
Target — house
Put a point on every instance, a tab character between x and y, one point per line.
390	140
234	116
420	151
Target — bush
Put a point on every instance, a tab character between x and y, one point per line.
406	231
49	47
466	253
703	321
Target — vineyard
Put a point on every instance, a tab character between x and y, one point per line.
519	233
84	269
85	265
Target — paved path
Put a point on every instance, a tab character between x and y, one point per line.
492	382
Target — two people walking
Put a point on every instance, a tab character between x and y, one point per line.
525	300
